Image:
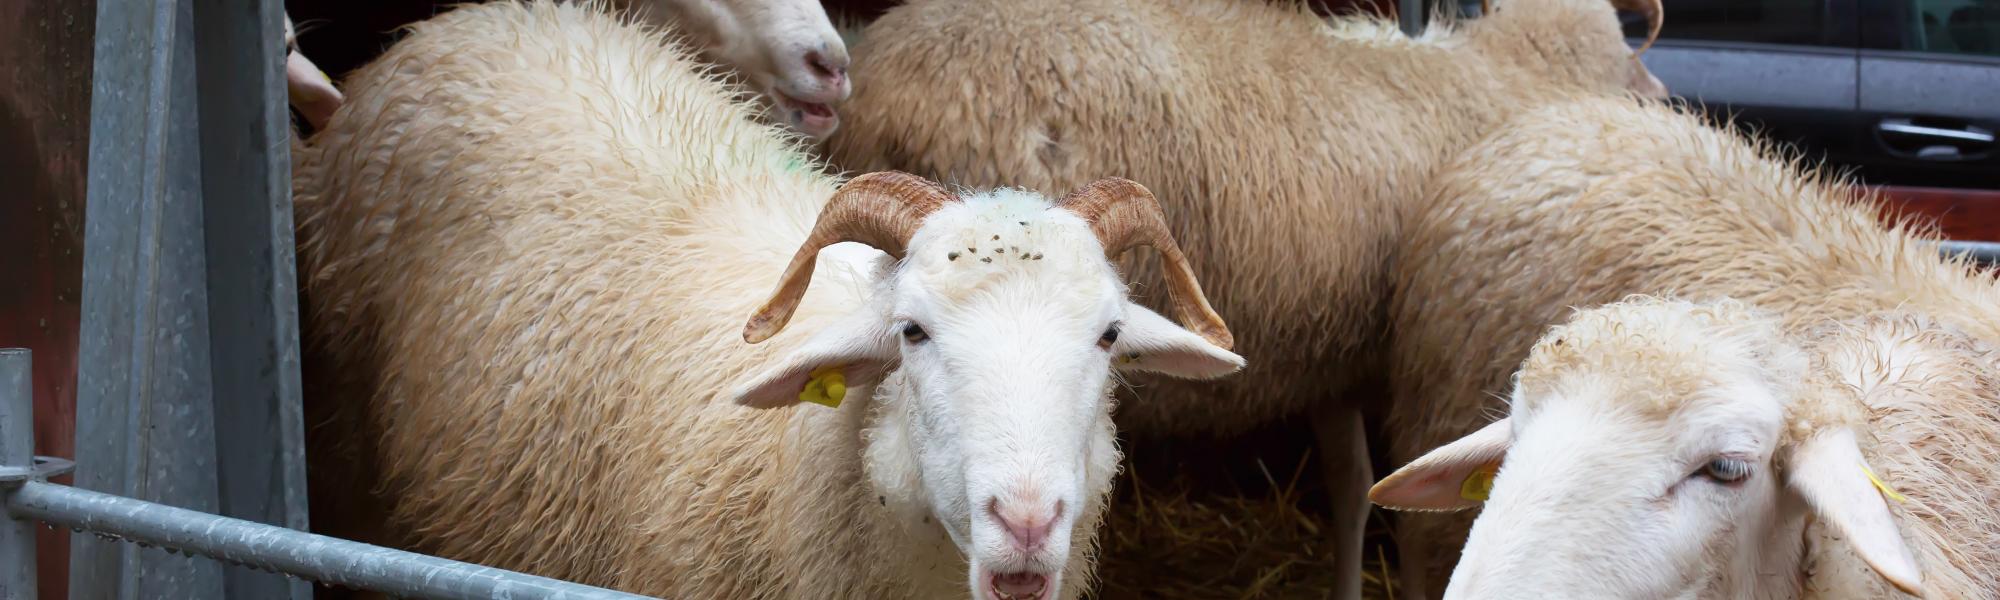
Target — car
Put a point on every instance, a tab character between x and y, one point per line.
1903	94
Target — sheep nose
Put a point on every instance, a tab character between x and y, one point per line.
830	69
1027	520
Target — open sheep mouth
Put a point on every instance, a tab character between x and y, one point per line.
1018	586
813	118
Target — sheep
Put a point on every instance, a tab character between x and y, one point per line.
530	241
1585	202
785	50
1664	448
1282	142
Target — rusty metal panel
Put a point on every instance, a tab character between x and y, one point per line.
45	51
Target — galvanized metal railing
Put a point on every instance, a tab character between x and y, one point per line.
28	498
1985	252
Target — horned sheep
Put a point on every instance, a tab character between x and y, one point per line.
1284	144
1672	449
1585	202
529	242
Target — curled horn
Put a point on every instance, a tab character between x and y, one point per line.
1125	215
1655	18
878	209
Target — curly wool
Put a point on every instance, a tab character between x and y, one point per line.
1929	395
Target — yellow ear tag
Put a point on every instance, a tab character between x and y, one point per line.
826	388
1478	484
1883	486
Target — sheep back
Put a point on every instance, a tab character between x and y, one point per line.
528	244
1279	144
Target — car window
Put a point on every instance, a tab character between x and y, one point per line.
1790	22
1947	26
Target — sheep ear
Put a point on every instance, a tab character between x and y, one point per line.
1148	342
1645	84
310	90
1828	471
1444	479
860	347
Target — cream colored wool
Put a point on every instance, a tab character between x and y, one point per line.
1930	395
1589	201
1279	144
529	243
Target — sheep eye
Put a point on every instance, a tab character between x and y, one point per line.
914	333
1110	337
1726	470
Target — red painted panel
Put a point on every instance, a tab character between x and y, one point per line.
1972	215
45	51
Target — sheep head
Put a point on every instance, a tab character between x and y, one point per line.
785	50
1652	452
988	350
310	91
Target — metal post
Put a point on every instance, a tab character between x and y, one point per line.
1984	252
254	337
145	416
17	451
1410	15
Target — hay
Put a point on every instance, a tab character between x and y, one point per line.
1174	541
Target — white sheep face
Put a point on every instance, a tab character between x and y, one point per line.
1642	459
997	338
785	50
1593	486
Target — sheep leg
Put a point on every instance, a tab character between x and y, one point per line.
1343	448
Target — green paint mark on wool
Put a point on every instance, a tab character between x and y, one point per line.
793	163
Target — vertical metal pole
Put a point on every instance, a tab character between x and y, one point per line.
254	341
1410	15
145	415
17	451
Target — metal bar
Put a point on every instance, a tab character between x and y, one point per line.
1410	14
254	341
17	451
266	547
1986	252
145	418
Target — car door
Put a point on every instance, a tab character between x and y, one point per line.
1787	69
1930	92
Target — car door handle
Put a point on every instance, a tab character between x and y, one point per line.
1942	134
1934	141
